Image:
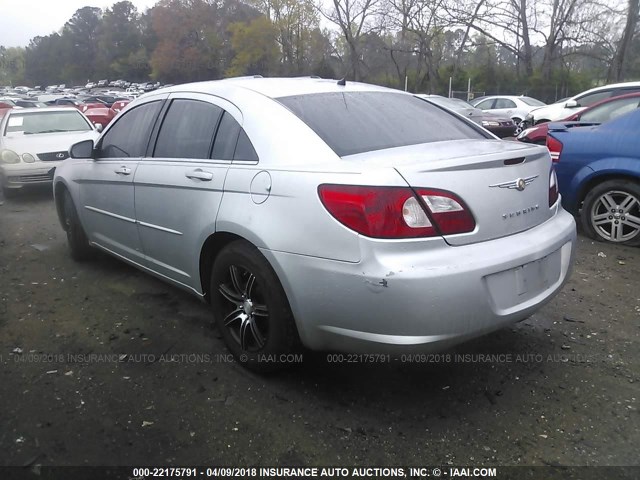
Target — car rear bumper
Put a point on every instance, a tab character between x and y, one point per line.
425	298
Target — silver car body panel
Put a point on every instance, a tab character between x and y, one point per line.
346	291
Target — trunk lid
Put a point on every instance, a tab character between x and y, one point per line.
486	174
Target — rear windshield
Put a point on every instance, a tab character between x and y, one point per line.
356	122
532	102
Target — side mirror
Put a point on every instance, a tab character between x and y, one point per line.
98	127
571	104
82	149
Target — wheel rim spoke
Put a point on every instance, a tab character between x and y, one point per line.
601	219
628	203
245	331
632	221
249	287
233	317
260	310
257	336
235	279
608	201
231	296
616	231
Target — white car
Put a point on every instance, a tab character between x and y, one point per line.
515	107
34	141
577	103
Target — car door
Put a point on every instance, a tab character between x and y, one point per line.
504	106
486	104
106	191
178	187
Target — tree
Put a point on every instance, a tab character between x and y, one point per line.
12	66
617	68
81	35
120	36
354	18
255	47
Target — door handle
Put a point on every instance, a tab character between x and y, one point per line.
199	174
123	171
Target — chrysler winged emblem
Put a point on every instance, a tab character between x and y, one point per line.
519	184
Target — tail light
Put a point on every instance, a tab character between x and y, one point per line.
555	148
553	187
396	212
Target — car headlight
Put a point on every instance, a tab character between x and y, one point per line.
525	132
28	158
9	156
490	123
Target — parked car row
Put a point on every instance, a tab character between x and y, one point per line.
501	126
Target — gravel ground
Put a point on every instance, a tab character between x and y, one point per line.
101	364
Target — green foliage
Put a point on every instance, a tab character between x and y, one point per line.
12	66
255	47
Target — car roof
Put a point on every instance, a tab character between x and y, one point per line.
605	87
44	109
510	97
277	87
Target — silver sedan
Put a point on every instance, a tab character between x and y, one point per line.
332	215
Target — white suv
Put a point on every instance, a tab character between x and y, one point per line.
575	104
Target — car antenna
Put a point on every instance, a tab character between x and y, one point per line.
342	82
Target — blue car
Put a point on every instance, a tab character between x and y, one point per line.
598	170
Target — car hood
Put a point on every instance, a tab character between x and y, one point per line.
45	142
555	111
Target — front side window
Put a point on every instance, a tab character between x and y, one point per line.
130	134
485	104
356	122
46	122
592	98
187	130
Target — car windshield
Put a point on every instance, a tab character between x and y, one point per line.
356	122
46	122
532	102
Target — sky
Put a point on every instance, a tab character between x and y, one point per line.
21	20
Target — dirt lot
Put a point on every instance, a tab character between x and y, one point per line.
561	388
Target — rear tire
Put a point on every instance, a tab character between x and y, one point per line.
76	237
251	309
611	212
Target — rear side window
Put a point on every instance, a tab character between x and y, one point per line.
232	143
356	122
244	148
504	103
130	134
226	138
187	130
